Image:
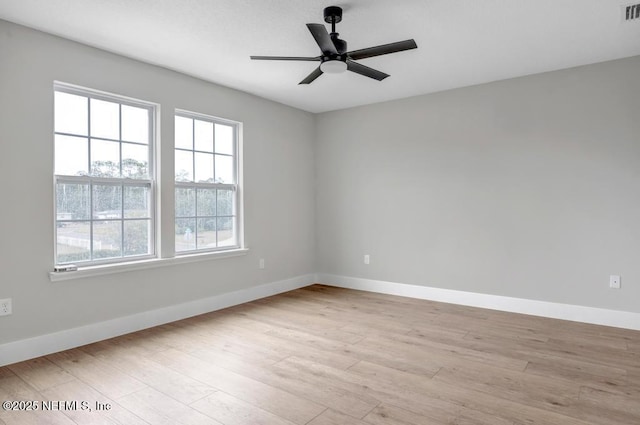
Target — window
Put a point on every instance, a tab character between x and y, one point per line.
206	183
104	177
105	181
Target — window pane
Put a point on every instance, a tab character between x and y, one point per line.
184	166
107	201
71	156
224	169
135	161
105	119
135	124
226	231
225	202
204	167
206	233
107	239
74	242
71	113
185	202
72	201
185	234
136	202
184	133
224	139
203	136
206	202
105	158
136	237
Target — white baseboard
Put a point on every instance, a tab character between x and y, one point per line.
25	349
576	313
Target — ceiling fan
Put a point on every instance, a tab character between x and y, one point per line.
335	58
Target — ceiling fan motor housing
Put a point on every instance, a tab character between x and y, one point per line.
341	45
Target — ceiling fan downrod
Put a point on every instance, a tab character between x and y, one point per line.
333	15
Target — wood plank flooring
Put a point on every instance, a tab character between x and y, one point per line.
330	356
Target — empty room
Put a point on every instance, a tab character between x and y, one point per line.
312	212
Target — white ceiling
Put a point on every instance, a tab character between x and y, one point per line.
460	42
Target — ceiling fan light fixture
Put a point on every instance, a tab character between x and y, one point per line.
333	66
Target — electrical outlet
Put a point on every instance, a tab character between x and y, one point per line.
366	259
5	307
261	263
614	281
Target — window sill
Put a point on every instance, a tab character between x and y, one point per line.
105	269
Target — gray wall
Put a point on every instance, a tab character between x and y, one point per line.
279	185
526	188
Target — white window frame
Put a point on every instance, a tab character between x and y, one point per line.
234	187
89	180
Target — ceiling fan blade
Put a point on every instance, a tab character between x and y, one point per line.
365	70
284	58
383	49
311	77
323	39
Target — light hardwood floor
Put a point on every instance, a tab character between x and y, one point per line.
330	356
